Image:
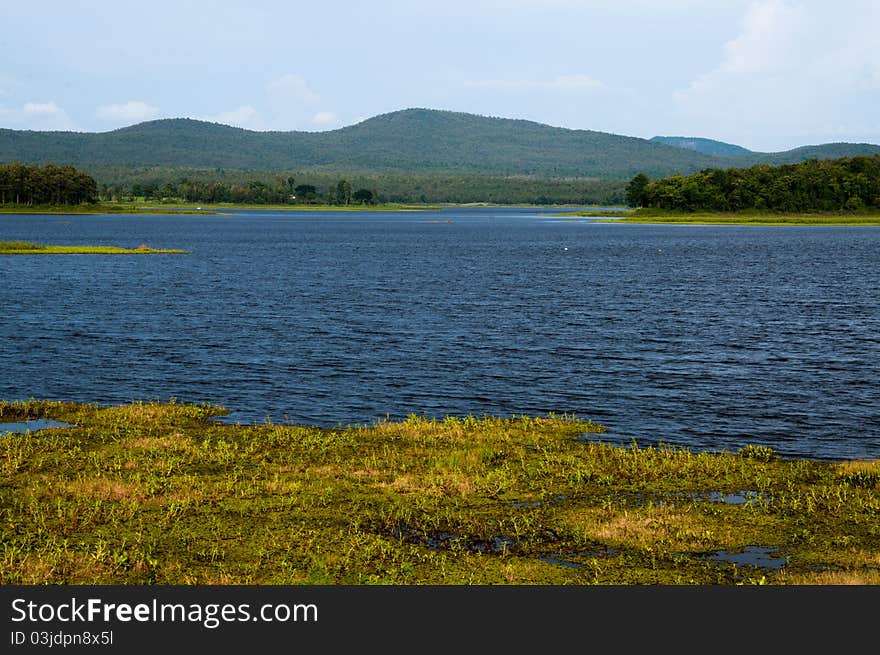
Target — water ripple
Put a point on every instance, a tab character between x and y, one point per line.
733	335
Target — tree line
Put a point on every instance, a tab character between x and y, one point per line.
28	184
212	185
280	190
845	184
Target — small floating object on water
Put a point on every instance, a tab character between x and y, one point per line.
565	248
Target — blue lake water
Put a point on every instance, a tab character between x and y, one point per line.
33	425
709	337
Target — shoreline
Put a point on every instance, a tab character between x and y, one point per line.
158	493
637	217
203	209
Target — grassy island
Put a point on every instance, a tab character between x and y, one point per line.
159	493
28	248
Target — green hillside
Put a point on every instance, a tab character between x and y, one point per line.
412	141
706	146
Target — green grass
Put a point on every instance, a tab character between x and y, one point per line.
389	207
745	218
28	248
145	207
98	208
157	493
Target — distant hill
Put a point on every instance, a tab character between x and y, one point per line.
411	141
740	156
706	146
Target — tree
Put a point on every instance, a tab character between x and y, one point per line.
635	190
51	185
845	184
364	197
305	192
343	192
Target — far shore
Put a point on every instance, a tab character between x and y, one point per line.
600	215
195	208
708	218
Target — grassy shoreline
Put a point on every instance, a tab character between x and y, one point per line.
90	210
158	493
709	218
28	248
200	209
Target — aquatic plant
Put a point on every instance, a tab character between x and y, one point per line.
760	453
157	493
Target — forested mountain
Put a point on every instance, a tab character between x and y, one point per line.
412	141
706	146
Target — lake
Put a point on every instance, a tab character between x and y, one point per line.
708	337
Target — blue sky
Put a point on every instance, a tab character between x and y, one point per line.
765	74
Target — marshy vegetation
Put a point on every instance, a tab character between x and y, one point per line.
746	218
754	217
162	493
29	248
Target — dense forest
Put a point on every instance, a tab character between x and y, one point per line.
307	187
845	184
27	184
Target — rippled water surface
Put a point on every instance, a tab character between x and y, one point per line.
709	337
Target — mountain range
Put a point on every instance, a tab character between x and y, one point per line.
412	141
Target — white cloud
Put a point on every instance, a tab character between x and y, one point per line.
325	119
291	88
41	109
37	116
246	117
563	83
131	112
287	103
797	68
290	104
769	41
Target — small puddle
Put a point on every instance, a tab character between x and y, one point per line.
32	425
756	556
560	562
567	560
736	498
439	540
539	503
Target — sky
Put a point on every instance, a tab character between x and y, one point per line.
768	75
